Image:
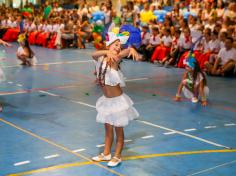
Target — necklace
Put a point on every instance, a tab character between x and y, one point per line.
101	74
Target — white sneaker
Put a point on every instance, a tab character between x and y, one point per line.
114	162
102	157
194	100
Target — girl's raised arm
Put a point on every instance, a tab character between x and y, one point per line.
129	52
99	53
4	43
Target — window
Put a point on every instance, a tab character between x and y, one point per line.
17	3
2	1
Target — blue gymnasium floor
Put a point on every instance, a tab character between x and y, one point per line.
48	124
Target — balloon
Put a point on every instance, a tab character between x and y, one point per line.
125	33
27	10
26	14
98	29
145	17
98	45
115	30
98	39
186	14
99	15
94	34
160	14
99	22
134	35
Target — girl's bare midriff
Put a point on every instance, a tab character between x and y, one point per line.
111	91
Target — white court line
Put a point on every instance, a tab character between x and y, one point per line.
169	133
10	82
29	91
100	145
82	103
230	124
45	92
66	62
212	168
19	85
135	79
21	163
147	137
79	150
165	128
70	86
191	129
50	63
51	156
11	66
208	127
182	133
14	93
73	101
128	140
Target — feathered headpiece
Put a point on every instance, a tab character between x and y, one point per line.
21	38
191	61
111	37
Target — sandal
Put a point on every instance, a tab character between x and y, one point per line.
115	161
102	157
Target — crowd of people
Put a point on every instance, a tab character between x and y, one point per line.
206	29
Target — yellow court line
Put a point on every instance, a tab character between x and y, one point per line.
68	165
63	166
179	153
59	146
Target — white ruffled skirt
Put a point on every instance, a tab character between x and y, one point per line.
189	94
117	111
33	61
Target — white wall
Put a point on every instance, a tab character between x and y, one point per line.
16	3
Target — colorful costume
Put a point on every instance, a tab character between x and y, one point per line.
191	84
116	111
21	51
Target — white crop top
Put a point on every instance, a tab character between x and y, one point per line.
112	77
